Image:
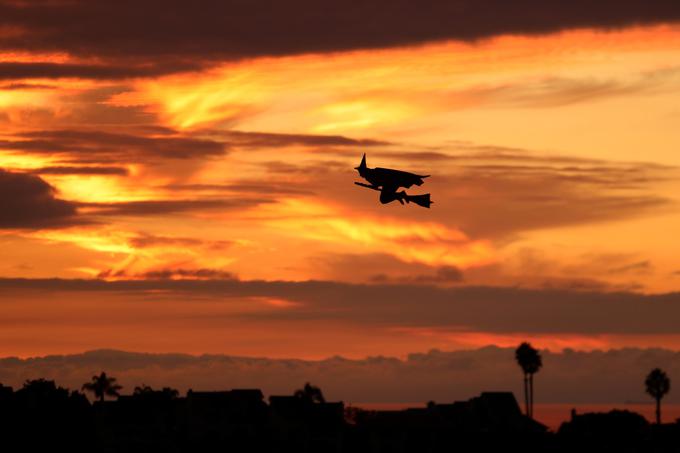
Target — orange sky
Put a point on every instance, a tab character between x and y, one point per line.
554	162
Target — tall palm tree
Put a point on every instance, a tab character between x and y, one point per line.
657	385
310	393
102	386
530	361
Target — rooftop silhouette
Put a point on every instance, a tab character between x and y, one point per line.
44	416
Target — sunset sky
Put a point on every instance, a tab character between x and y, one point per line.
178	176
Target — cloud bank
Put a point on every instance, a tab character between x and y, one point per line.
181	32
27	201
501	310
613	376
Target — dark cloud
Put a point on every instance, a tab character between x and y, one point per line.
156	207
244	186
91	142
115	171
27	201
637	267
20	70
152	141
285	167
166	274
573	377
382	268
236	29
26	86
150	240
93	107
441	275
322	168
455	309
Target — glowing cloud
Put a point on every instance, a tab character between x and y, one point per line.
426	242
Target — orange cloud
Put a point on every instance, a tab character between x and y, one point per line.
387	89
411	241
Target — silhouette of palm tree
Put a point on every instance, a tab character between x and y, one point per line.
657	385
102	386
310	393
530	361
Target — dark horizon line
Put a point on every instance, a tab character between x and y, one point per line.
402	357
125	284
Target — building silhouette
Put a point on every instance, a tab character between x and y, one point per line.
42	416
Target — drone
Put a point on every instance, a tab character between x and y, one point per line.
388	181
